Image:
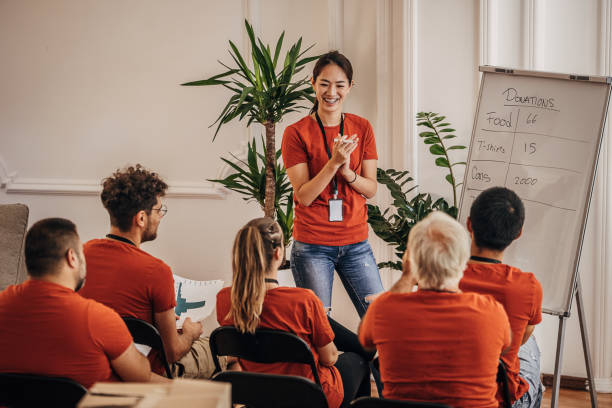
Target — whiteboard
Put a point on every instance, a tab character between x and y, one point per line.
539	134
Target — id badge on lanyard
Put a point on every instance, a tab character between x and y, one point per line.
334	205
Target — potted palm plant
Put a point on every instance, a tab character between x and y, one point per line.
263	94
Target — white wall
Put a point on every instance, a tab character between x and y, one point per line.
89	86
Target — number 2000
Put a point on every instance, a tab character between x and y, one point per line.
525	180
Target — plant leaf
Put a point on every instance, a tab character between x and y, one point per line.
436	149
442	162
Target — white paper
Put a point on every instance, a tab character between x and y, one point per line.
144	349
196	300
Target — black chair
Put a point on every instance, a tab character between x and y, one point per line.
145	333
369	402
502	377
265	346
256	390
29	390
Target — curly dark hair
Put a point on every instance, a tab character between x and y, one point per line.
129	191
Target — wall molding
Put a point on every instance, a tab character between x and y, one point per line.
335	24
6	177
396	82
396	71
528	33
79	187
485	32
603	385
602	297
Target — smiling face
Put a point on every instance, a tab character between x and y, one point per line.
331	87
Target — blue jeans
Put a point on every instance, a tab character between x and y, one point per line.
529	356
313	268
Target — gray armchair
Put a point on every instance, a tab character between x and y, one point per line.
13	227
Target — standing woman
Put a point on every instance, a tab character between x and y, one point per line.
330	158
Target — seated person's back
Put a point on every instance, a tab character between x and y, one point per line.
297	311
437	344
133	282
127	279
256	300
48	329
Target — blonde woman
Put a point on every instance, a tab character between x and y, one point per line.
255	299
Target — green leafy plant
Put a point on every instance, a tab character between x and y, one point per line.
409	207
438	133
263	94
249	180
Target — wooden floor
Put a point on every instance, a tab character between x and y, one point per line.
577	399
567	399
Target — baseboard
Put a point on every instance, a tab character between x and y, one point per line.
567	381
603	385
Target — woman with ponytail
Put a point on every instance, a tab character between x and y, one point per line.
330	158
255	299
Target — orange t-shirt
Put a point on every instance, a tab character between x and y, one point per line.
48	329
521	295
437	346
303	143
298	311
130	281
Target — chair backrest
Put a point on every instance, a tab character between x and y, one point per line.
29	390
13	227
145	333
265	346
368	402
502	377
256	390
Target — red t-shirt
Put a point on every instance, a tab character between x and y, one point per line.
298	311
521	295
130	281
437	346
303	143
48	329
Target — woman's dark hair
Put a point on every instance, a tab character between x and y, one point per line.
497	217
332	57
129	191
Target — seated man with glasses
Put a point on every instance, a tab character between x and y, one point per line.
134	283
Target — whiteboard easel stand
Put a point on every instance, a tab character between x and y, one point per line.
576	288
585	349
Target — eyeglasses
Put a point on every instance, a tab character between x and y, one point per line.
162	210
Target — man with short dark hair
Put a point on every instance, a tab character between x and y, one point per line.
496	220
133	282
48	329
